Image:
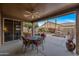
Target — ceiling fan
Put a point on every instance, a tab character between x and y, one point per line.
33	14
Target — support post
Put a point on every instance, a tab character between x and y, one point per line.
32	28
21	28
55	25
1	26
77	31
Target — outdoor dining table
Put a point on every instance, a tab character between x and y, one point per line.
35	39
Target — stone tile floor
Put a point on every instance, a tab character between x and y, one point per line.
53	46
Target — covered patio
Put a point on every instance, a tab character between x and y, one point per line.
13	16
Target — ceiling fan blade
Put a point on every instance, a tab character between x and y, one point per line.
26	15
27	12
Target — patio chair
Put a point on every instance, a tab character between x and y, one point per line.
43	36
26	42
37	43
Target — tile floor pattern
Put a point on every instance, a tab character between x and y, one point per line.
53	46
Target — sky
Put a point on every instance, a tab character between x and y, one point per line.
61	19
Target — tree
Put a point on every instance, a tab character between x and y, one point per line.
36	25
41	30
28	25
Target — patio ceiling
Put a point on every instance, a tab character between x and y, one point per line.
45	10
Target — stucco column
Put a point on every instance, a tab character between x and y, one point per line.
56	26
77	32
32	28
21	28
0	27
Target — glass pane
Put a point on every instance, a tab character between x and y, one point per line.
17	30
8	30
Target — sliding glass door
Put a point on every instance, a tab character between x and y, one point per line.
12	30
8	30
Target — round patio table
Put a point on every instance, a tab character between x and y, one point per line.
35	40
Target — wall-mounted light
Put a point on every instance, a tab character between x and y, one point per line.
5	29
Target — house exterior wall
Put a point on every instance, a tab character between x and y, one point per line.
51	25
66	29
